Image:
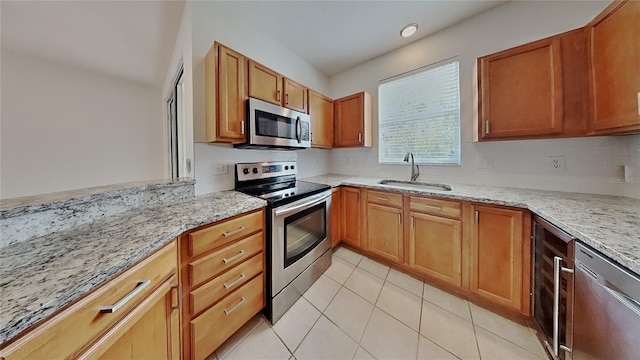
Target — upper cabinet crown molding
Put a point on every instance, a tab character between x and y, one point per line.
614	68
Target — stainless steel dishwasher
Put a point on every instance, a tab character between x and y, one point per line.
606	318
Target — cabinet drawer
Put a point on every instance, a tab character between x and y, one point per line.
216	289
436	206
224	232
214	326
217	262
69	331
384	198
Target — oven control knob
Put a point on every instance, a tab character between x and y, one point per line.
255	170
286	167
292	167
245	171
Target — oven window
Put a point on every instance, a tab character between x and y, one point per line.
275	126
303	231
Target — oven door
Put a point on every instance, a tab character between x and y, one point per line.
300	235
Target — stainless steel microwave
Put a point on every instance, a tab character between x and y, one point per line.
273	126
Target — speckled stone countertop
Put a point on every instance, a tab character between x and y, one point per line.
609	224
40	276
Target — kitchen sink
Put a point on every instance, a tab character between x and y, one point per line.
415	185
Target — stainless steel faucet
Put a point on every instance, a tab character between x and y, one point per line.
415	171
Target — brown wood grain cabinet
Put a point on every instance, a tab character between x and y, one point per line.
321	112
435	241
144	326
351	216
295	96
336	216
222	271
264	83
352	121
225	95
536	90
614	69
497	260
384	217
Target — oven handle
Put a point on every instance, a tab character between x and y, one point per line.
557	269
313	200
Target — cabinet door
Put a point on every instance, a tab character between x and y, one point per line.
496	255
336	216
352	121
614	54
231	95
150	331
264	83
295	96
520	91
351	216
435	247
321	112
384	232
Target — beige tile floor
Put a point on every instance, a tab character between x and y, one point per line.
362	309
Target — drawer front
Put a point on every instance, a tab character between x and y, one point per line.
221	286
69	331
217	235
384	198
436	207
219	261
214	326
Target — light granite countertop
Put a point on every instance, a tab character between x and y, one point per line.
609	224
40	276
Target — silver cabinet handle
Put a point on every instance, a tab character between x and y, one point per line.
399	219
359	137
639	103
383	199
234	307
557	268
487	128
286	99
476	219
412	221
233	232
228	286
278	95
113	308
179	292
242	127
234	257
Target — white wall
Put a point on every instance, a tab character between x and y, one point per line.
221	21
66	128
591	162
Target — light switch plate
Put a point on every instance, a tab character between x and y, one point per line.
219	169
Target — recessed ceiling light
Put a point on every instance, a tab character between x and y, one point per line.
409	30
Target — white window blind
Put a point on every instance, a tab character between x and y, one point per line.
419	112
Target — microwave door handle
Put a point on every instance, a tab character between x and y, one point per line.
298	129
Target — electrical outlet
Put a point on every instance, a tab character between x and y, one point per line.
484	162
219	169
556	164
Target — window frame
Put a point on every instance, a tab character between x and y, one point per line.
458	130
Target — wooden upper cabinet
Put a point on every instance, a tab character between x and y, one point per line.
352	121
321	112
497	255
535	90
264	83
614	68
225	95
295	96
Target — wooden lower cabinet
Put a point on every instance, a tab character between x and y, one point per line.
351	226
222	269
498	245
336	216
384	232
151	331
435	247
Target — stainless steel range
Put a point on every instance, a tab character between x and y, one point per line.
298	239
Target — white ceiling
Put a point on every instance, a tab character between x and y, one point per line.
134	39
